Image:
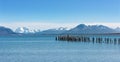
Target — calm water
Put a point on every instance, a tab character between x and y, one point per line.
46	49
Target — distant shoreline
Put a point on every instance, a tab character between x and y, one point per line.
21	34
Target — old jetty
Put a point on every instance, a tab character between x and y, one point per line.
96	38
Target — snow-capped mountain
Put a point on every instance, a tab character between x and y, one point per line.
80	29
118	29
90	29
25	30
61	28
37	31
53	31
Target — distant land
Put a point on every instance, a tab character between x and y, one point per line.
79	29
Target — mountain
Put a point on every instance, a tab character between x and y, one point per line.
80	29
25	30
22	30
90	29
53	31
118	29
5	31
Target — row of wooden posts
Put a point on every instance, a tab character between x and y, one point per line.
93	39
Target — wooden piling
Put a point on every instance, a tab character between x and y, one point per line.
85	38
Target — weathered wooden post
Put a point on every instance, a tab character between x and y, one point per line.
93	39
115	41
119	41
107	40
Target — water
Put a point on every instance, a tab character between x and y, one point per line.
46	49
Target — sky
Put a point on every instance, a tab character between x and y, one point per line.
49	13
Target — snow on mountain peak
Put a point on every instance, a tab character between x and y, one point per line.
25	30
61	28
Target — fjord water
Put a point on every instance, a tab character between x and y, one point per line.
47	49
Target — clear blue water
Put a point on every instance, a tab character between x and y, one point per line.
46	49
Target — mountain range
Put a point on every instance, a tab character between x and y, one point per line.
79	29
53	31
91	29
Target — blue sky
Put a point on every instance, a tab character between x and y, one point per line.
60	11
